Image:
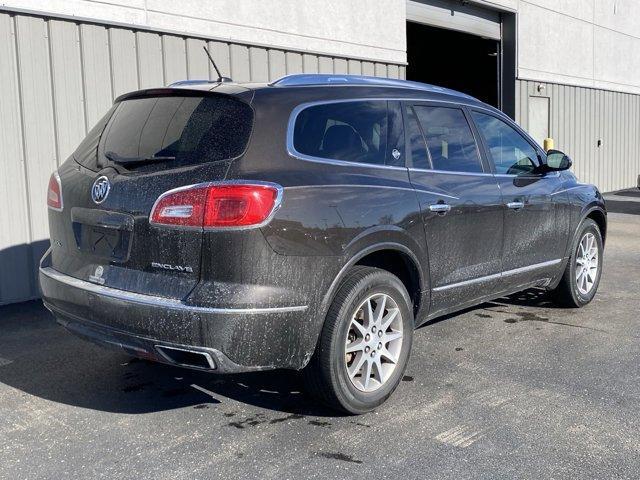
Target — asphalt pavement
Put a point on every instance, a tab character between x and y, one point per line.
515	388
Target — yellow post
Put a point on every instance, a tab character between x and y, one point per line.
548	144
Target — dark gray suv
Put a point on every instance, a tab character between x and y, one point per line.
311	223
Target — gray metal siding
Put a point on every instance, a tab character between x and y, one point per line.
58	77
578	118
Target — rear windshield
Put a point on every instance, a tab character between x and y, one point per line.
171	131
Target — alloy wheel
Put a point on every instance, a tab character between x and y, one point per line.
587	263
374	342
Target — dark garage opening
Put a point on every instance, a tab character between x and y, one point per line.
453	59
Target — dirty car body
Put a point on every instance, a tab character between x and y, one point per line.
232	299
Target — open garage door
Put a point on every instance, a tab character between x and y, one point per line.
461	46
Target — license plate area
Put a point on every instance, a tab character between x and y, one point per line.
103	242
103	234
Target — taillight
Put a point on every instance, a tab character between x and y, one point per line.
54	193
218	205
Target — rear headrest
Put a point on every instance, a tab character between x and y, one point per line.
342	141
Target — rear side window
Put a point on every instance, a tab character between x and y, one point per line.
349	131
174	131
419	157
449	139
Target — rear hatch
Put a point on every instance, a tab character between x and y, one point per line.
148	143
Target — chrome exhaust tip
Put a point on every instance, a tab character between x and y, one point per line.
184	357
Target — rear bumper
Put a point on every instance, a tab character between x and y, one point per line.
235	340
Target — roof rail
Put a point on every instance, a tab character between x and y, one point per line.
309	79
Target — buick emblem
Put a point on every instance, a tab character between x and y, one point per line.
100	189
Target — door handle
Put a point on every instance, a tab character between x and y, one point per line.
515	205
440	208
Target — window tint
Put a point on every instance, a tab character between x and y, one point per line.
86	153
509	150
172	131
419	157
449	139
351	131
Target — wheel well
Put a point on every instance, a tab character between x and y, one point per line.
399	264
598	217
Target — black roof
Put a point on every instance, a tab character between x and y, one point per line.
367	83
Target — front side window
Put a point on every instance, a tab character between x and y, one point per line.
349	131
449	139
510	152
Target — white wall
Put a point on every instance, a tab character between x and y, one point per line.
366	29
589	43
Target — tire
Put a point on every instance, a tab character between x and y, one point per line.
327	377
568	293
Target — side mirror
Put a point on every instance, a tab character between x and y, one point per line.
556	161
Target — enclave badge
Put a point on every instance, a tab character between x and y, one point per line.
177	268
100	189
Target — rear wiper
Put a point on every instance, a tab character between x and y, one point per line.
160	159
114	157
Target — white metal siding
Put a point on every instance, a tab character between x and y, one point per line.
15	231
578	118
365	29
58	77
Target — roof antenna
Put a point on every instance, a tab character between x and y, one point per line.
220	79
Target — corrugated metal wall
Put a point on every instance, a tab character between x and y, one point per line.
58	77
578	118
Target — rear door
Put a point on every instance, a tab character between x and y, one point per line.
534	234
147	144
460	203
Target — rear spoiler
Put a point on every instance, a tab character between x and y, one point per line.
217	89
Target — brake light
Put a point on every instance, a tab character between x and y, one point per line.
54	193
221	205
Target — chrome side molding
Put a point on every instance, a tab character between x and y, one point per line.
496	276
